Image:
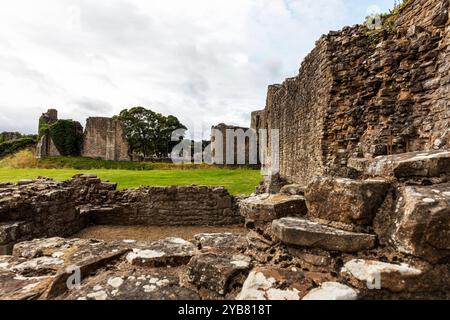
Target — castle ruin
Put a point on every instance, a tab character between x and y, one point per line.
233	145
361	211
103	138
361	94
46	147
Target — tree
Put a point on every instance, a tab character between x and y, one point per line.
149	133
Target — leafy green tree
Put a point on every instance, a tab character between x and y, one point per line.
149	133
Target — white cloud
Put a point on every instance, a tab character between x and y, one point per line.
205	61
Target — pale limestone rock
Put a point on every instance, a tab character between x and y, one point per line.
332	291
302	232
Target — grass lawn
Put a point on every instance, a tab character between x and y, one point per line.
237	181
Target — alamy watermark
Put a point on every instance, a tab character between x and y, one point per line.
74	279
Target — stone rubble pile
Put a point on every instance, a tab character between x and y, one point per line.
363	217
43	207
377	238
384	236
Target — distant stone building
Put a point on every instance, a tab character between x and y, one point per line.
233	145
105	138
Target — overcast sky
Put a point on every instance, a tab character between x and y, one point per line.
204	61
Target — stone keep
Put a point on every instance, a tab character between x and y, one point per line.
363	93
104	138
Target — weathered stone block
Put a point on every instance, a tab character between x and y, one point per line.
381	275
293	190
13	287
38	266
218	272
11	232
412	164
221	241
419	222
270	283
345	200
268	207
168	252
105	138
45	247
47	260
302	232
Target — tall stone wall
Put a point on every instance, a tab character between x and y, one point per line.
104	138
297	108
363	93
433	16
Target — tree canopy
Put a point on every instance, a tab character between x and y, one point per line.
149	133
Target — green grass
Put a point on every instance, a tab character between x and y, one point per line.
237	181
81	163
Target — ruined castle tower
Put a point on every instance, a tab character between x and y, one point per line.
46	147
363	93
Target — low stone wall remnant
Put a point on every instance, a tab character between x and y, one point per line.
42	208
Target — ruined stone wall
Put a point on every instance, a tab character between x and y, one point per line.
49	117
45	146
363	93
8	136
297	108
257	120
390	92
424	13
47	208
104	138
167	206
432	16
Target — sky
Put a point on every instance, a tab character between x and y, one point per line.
204	61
